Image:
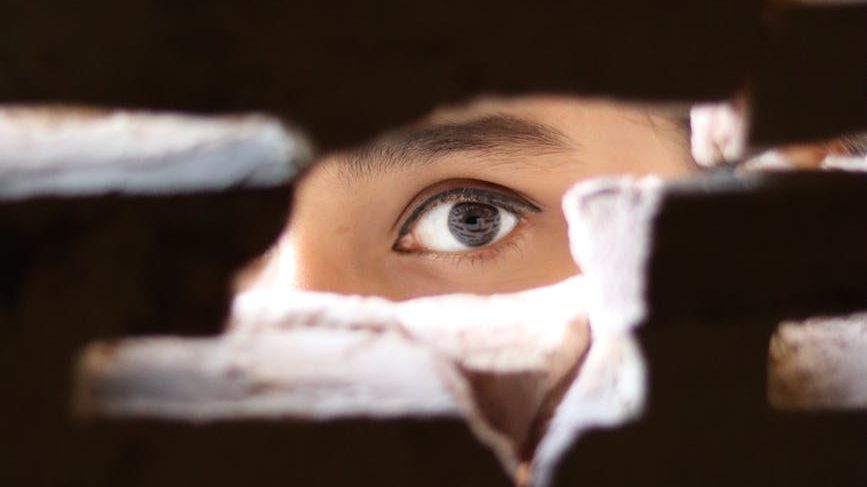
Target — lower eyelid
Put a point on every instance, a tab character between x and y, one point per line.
487	254
510	241
517	205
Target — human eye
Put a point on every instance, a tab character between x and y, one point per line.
470	217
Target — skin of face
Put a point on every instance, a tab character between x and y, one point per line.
344	234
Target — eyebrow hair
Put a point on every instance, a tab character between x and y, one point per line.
494	135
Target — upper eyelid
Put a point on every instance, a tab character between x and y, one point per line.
516	203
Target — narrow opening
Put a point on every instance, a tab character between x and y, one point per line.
442	271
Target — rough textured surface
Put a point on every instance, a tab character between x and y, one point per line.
134	221
497	362
101	267
819	364
728	259
345	71
705	417
608	392
707	422
805	87
357	452
103	264
610	222
77	151
323	369
724	247
517	353
799	237
718	132
707	376
809	82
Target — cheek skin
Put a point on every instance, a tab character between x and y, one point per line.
341	232
320	229
338	238
345	263
541	257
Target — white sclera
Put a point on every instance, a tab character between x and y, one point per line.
432	230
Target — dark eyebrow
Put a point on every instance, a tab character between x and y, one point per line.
495	135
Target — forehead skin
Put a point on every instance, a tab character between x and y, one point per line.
343	228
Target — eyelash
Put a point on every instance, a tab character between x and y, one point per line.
479	256
517	204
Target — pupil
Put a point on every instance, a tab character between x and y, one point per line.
474	224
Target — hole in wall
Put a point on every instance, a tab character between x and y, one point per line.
437	251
